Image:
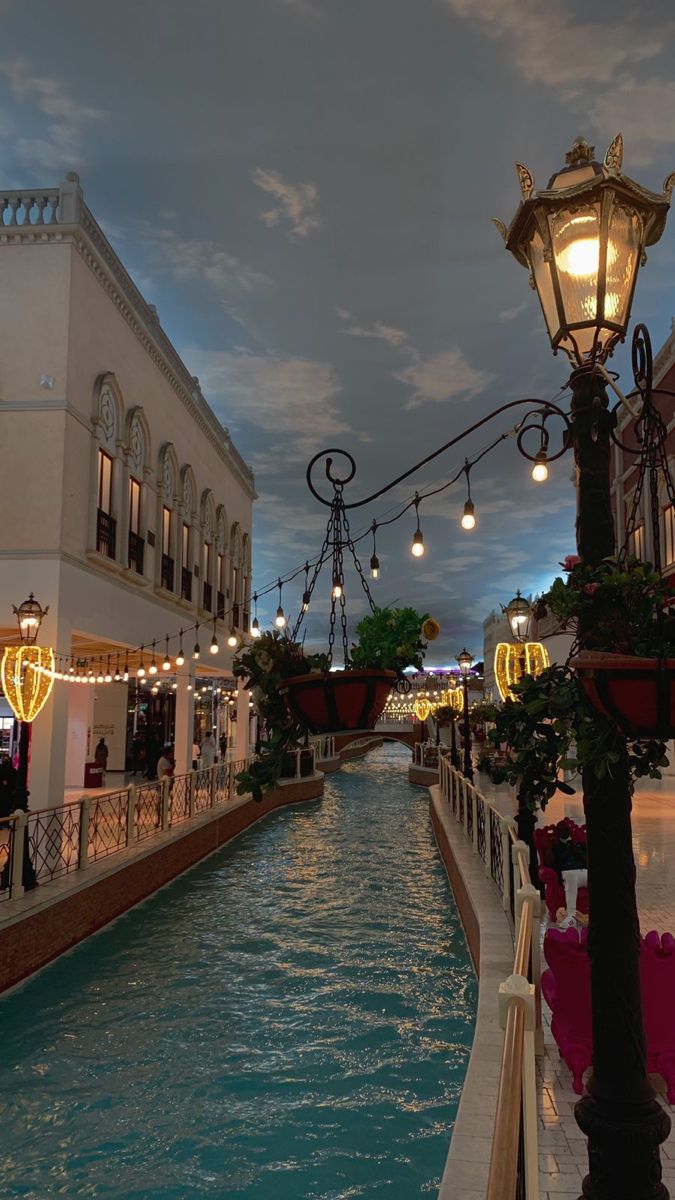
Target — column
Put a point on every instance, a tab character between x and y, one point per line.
243	716
185	719
79	746
47	767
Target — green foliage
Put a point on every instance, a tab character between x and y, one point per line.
445	715
390	639
616	605
482	713
551	727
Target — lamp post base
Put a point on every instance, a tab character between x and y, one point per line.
623	1149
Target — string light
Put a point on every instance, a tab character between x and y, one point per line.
469	514
232	639
117	669
126	668
108	674
280	619
180	657
255	624
417	548
196	652
213	648
141	669
166	665
152	669
540	468
374	560
337	587
306	595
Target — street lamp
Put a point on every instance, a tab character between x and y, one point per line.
30	616
518	612
453	684
465	660
583	240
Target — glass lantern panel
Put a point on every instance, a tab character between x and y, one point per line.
541	273
576	248
623	251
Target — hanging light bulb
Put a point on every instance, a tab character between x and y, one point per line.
232	640
189	687
280	619
306	595
152	669
141	669
374	560
337	586
540	468
196	652
213	648
117	669
180	657
255	628
154	689
417	548
166	665
108	674
126	669
468	516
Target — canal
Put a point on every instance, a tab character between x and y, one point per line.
290	1020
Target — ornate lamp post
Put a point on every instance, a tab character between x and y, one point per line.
583	239
465	660
29	616
518	612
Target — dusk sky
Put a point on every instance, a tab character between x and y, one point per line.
304	190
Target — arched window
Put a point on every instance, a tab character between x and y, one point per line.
222	585
208	564
235	574
167	523
138	470
188	492
107	422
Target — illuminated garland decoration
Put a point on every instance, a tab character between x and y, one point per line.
515	659
421	709
27	690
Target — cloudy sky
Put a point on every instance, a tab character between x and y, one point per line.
304	189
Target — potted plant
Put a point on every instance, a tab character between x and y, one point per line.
323	701
627	668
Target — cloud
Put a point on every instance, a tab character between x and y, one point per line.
549	46
442	377
290	398
190	258
644	112
379	331
510	314
60	147
297	203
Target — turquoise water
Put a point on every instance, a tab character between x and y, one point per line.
290	1020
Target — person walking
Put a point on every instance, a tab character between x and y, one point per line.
208	752
101	758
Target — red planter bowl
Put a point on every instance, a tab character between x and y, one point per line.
638	693
327	703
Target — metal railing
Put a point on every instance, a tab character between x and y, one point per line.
514	1162
136	552
52	842
323	747
167	572
426	754
106	527
207	597
186	583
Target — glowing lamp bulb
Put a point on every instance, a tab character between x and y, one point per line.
232	639
280	619
140	672
337	591
374	567
540	469
469	516
196	652
417	547
255	628
166	665
180	658
305	601
214	645
152	668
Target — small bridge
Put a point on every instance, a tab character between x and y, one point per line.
408	735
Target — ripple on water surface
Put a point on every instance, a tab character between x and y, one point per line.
291	1020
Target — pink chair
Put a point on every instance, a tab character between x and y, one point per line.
545	839
657	978
567	990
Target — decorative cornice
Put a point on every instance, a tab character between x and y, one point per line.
94	248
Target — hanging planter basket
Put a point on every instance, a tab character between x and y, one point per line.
340	700
637	693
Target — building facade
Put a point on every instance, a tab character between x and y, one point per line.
127	508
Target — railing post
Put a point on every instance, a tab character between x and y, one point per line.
131	813
474	811
191	793
516	986
506	863
85	813
465	788
19	835
488	838
213	786
517	848
165	803
529	892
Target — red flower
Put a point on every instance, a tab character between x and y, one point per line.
591	588
571	562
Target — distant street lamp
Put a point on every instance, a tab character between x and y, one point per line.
465	660
453	684
518	613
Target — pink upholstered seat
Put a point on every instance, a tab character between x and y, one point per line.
567	989
657	978
545	839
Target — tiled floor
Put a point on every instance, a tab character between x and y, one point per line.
563	1157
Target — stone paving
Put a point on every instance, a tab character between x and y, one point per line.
562	1146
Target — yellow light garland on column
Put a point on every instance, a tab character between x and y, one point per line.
26	688
515	659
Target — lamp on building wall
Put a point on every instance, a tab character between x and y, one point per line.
27	679
518	613
30	616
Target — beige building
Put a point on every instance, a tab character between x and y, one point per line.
126	507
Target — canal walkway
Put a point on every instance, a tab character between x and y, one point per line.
563	1155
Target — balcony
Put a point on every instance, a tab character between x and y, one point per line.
167	572
220	611
106	527
208	598
136	551
186	584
